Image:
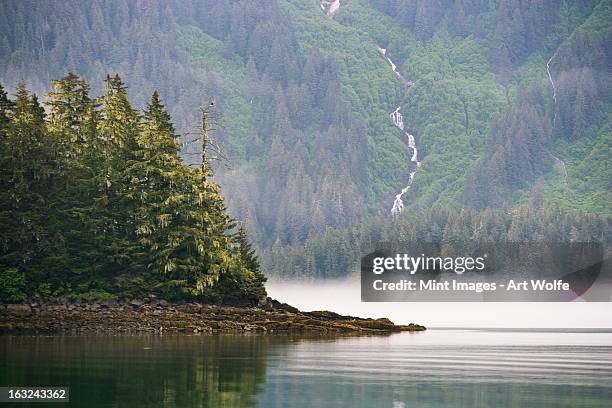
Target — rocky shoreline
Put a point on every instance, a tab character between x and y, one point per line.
62	316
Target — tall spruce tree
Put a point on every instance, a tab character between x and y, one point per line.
72	121
119	127
157	171
29	180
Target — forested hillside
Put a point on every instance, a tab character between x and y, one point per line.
279	104
508	101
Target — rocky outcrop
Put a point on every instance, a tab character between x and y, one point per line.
159	316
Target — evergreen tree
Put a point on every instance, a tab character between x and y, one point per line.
118	126
157	172
29	178
96	201
69	101
246	253
6	106
244	276
204	246
73	123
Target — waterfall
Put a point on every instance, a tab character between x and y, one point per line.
554	88
412	145
330	7
383	52
398	120
554	95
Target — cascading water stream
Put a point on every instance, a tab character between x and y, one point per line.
330	7
398	120
554	88
554	95
383	52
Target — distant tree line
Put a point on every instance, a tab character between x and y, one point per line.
337	253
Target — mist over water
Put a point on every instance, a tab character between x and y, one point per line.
344	296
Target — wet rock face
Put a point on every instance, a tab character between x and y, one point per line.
18	310
155	316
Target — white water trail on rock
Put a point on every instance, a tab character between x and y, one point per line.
412	145
398	121
562	165
330	7
554	95
397	118
554	88
383	52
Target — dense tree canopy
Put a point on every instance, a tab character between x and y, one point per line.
509	100
96	202
337	253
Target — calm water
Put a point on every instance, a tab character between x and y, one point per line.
437	368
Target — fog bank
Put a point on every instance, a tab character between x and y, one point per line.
344	297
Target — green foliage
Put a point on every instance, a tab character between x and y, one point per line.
92	295
205	55
45	289
305	103
12	285
588	172
98	204
337	253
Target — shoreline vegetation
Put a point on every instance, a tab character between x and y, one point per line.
99	207
96	203
156	316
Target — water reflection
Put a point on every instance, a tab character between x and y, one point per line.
437	368
193	371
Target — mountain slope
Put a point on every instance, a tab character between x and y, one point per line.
304	99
